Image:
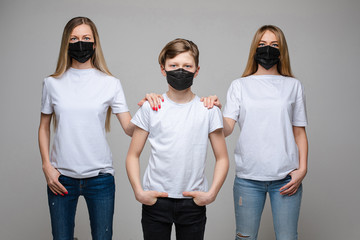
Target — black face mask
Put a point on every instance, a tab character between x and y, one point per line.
267	56
180	79
81	51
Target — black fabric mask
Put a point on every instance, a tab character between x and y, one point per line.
81	51
180	79
267	56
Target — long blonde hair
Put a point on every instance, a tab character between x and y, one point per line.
283	66
97	59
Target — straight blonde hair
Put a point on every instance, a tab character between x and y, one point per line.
97	59
283	66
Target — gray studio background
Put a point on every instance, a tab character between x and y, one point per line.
323	38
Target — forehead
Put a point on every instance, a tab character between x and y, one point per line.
81	30
268	36
185	57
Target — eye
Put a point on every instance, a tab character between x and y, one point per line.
188	66
73	39
275	45
261	44
86	38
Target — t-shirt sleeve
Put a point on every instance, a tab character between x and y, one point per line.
299	111
118	104
216	120
142	117
46	106
232	106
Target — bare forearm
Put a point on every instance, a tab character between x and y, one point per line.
125	122
302	144
44	144
220	173
218	144
133	172
228	126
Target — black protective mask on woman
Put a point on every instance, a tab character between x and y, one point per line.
180	79
267	56
81	51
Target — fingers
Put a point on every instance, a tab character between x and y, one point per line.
189	194
154	100
209	101
289	189
57	188
161	194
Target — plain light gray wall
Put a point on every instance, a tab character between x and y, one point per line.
323	38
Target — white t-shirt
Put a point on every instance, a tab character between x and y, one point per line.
80	99
178	134
266	108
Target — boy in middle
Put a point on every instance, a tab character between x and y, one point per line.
175	188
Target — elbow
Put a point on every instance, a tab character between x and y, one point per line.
227	132
129	132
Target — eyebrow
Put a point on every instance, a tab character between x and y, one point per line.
88	34
270	42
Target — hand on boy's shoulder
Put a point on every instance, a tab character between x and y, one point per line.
211	101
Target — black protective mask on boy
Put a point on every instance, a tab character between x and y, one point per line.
180	79
267	56
81	51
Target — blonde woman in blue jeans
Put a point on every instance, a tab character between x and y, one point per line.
271	153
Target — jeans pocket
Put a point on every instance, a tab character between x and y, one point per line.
156	202
194	203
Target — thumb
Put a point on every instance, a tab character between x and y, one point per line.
141	102
202	99
189	194
162	194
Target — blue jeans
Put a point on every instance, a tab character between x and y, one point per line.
99	193
249	200
189	219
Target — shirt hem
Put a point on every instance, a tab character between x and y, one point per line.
261	178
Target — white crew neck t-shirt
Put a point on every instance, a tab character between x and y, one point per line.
80	99
178	135
266	108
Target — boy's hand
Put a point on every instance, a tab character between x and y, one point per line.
200	198
153	99
149	197
211	101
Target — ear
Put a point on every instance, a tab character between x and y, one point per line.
162	68
197	72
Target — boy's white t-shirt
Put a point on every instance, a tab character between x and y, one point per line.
80	99
178	134
266	108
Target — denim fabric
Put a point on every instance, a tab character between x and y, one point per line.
99	194
249	200
189	219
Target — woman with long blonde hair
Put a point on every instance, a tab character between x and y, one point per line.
80	97
271	154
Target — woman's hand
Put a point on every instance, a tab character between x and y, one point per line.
291	188
52	179
149	197
200	198
210	101
153	99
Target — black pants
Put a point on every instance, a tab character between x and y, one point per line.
189	219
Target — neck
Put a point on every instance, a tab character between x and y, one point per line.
183	96
262	71
79	65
